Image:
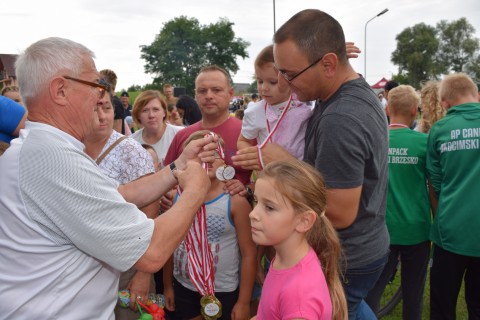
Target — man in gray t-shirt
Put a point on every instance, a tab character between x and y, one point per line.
346	140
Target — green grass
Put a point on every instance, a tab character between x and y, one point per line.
462	313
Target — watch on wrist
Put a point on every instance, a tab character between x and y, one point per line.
173	168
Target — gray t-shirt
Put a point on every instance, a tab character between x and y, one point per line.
347	141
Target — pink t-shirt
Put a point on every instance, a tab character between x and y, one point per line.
297	292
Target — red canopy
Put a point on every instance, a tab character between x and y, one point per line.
380	84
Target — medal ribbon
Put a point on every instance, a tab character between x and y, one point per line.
200	257
271	132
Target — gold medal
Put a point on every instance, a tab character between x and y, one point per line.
211	307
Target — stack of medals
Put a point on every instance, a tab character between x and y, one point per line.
211	307
200	258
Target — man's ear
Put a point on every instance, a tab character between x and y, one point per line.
414	110
306	220
329	63
445	104
57	90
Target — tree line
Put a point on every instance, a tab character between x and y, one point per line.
423	52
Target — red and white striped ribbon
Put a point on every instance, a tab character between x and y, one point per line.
200	257
271	132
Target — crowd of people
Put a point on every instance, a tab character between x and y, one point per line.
291	211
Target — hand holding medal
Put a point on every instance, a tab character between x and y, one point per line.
225	172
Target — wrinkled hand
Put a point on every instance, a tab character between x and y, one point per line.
194	177
139	287
200	150
166	201
352	50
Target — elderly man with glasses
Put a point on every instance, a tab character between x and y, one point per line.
67	230
346	140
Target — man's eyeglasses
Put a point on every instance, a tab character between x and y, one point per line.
290	79
101	87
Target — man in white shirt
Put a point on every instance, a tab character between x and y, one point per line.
67	230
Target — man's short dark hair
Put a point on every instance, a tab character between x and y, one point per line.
390	85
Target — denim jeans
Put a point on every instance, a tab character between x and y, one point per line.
357	284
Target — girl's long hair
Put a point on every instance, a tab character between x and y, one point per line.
432	110
304	187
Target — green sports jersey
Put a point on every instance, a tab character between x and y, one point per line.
408	205
453	163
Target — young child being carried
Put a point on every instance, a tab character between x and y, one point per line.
304	278
234	253
279	117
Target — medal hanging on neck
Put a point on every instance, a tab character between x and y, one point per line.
272	131
200	263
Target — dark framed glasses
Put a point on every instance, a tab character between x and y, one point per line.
289	79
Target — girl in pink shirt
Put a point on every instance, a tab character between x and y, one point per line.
304	279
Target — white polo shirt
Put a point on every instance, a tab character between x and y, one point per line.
65	231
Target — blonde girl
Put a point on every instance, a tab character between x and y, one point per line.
304	279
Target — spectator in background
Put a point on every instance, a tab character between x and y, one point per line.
119	123
154	155
388	86
169	97
125	98
408	205
188	110
173	117
213	92
130	123
239	113
12	119
453	164
430	106
150	110
253	101
12	92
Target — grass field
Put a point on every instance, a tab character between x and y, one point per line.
462	313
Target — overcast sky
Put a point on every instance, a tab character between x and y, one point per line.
114	29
